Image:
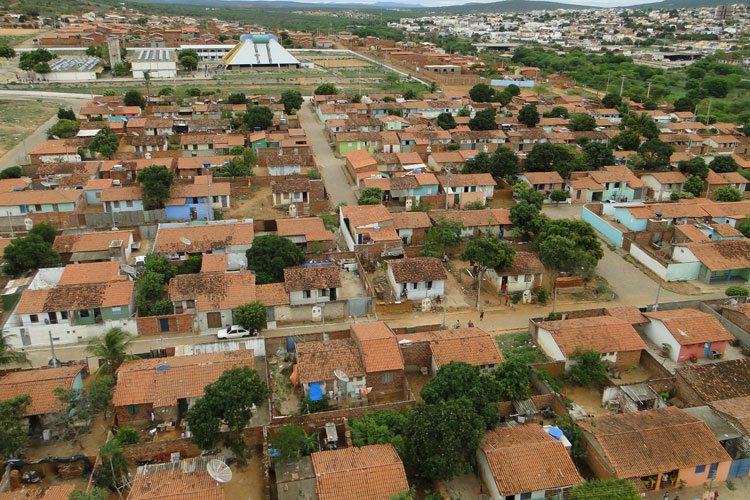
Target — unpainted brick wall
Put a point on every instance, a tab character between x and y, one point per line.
146	451
151	325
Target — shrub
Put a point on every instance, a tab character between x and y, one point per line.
737	291
542	295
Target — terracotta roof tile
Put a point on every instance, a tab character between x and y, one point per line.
76	297
186	480
90	272
692	233
272	294
459	180
525	458
475	218
653	441
146	381
55	492
121	193
312	228
691	326
722	380
312	276
204	237
214	262
470	345
525	263
737	409
372	472
543	177
35	197
214	291
39	384
317	359
380	351
631	314
412	270
363	215
90	242
599	333
411	220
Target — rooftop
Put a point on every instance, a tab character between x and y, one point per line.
76	297
90	242
39	384
317	360
599	333
214	291
417	269
312	276
187	479
204	237
716	381
379	347
691	326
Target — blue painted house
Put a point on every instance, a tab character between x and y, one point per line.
197	200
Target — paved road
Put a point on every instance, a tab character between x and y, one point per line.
337	183
18	154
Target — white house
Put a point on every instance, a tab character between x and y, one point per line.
416	278
312	283
663	184
157	62
525	273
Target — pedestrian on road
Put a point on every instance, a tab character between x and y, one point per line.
507	299
481	315
470	324
666	497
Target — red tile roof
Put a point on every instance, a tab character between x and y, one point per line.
317	359
214	291
599	333
379	347
525	458
186	480
90	242
39	384
214	262
55	492
76	297
204	237
372	472
691	326
417	269
313	276
91	272
163	381
653	441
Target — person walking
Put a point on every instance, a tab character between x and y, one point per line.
507	299
481	315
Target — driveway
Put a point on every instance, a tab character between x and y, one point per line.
331	168
18	154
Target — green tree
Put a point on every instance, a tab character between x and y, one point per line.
604	489
441	439
589	369
8	355
683	104
513	378
557	112
14	434
269	255
66	114
190	63
114	468
641	124
292	100
481	92
11	173
558	195
446	121
461	381
120	69
443	234
161	265
7	52
722	164
385	426
548	157
694	185
502	163
611	101
483	120
727	193
105	142
28	60
326	89
27	254
156	182
112	348
149	289
166	91
134	98
228	401
237	98
656	154
597	155
627	140
513	89
292	442
191	265
127	436
743	226
529	115
258	117
523	215
45	230
716	87
370	196
251	315
559	252
524	192
94	494
580	233
486	253
736	291
63	129
694	167
42	68
100	392
582	122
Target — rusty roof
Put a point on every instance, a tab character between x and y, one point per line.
722	255
187	479
317	360
525	458
214	291
599	333
648	442
162	381
373	472
722	380
204	237
691	326
40	385
312	276
416	269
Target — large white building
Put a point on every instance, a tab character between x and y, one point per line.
259	50
157	62
74	69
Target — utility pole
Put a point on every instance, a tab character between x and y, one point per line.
708	111
622	85
648	91
606	89
656	302
52	348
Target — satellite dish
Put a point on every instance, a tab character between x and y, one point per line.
341	375
185	241
218	470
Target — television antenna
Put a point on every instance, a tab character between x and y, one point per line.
218	470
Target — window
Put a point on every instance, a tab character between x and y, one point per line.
323	292
415	286
306	294
386	378
129	203
189	304
38	208
195	146
429	285
116	204
525	496
134	409
34	318
700	469
528	277
64	314
578	194
712	470
116	310
84	313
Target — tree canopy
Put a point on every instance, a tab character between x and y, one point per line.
502	163
63	129
483	120
385	426
695	166
27	254
582	122
258	117
727	193
105	142
156	182
292	442
251	315
370	196
134	98
489	252
444	233
14	434
513	379
548	157
589	369
446	121
326	89
112	348
722	164
270	254
529	115
292	100
604	489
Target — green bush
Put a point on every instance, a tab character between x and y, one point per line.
737	291
542	295
516	297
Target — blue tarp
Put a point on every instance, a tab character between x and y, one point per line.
315	393
555	432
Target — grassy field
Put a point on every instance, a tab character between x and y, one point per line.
19	118
13	37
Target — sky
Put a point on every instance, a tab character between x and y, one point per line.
441	3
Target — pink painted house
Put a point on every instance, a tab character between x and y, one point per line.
687	332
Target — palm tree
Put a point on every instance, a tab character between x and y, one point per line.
113	348
9	355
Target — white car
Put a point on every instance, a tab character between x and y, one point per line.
234	332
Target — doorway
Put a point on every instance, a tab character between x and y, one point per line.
214	319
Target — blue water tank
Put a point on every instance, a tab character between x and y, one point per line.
555	432
245	37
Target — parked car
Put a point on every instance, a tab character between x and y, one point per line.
235	332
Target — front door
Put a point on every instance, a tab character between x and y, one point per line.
707	350
214	320
164	324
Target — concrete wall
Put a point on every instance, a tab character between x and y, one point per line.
609	232
151	325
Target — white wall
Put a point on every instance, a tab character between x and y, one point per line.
548	345
652	264
486	474
62	333
658	334
683	254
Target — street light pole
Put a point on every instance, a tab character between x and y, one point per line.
52	348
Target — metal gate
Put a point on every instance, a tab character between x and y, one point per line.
359	307
214	319
739	468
